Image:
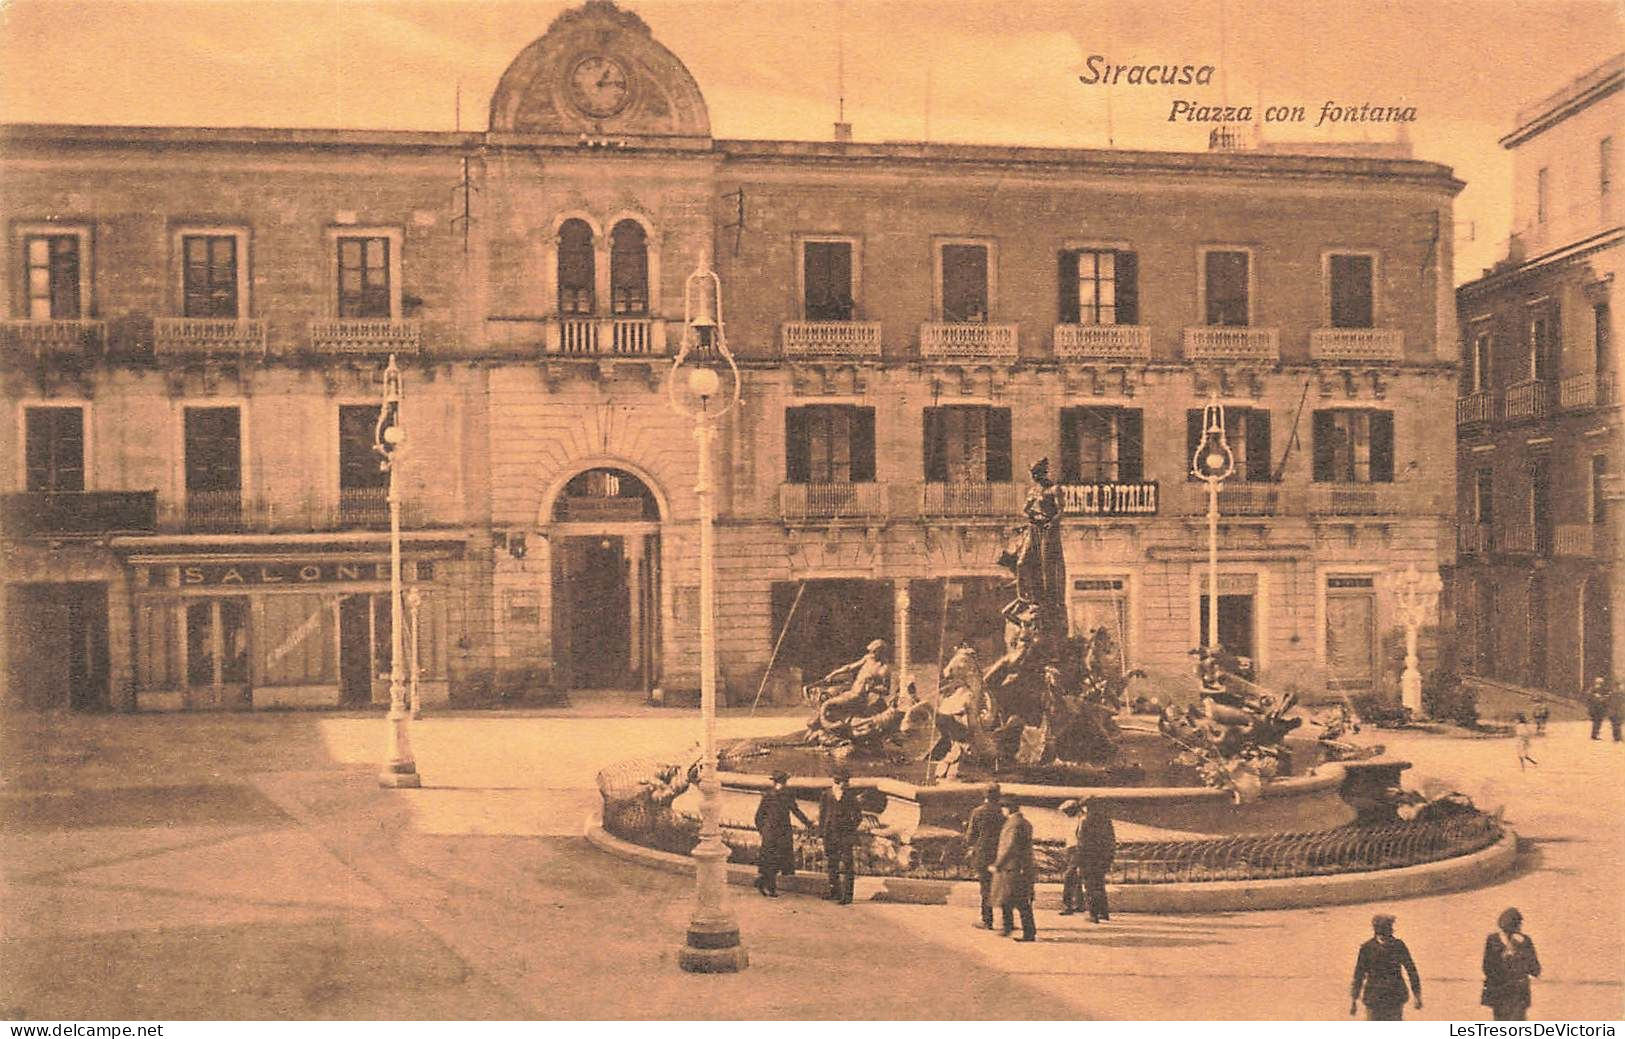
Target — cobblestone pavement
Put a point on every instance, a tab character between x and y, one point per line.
248	866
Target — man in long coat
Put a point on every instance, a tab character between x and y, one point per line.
1377	976
1015	873
778	844
982	847
840	812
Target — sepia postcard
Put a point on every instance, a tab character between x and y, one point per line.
849	510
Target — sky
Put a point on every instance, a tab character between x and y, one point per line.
991	72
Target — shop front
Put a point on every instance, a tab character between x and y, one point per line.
284	630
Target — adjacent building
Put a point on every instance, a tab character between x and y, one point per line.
1539	590
199	317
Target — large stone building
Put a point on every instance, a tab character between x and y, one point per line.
199	318
1539	593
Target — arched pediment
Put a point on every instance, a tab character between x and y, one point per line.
599	70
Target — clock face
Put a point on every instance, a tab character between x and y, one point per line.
599	85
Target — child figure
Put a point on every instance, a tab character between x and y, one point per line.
1542	713
1524	732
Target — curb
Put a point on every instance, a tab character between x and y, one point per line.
1218	896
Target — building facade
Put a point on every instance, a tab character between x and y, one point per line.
1538	586
199	317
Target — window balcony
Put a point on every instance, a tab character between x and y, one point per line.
1473	539
1516	540
971	498
1475	409
1356	344
1526	401
837	339
1576	539
1236	499
1366	499
1225	343
365	336
827	501
20	339
62	513
206	336
967	341
1585	391
1102	343
606	336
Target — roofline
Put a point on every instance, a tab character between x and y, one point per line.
1551	258
1579	93
1163	162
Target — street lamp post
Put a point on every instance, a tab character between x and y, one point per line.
1414	595
399	769
713	944
1213	463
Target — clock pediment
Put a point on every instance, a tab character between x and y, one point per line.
599	70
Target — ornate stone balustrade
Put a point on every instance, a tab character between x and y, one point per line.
967	341
1102	342
365	336
1356	344
207	335
41	338
855	339
612	336
1222	343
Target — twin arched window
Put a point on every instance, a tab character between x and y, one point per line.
628	269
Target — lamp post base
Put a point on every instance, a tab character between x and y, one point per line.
713	948
404	774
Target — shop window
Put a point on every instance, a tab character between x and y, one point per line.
54	449
1101	445
1354	446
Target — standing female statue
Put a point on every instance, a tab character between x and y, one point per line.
1039	565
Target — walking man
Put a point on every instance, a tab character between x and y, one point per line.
840	812
778	841
982	847
1597	704
1377	974
1616	709
1014	873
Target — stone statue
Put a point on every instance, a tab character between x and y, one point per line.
1037	560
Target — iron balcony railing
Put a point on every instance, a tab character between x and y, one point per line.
1360	499
1584	391
1226	343
1356	344
1575	539
1475	409
57	513
804	501
365	336
1473	539
187	336
19	339
1526	401
837	339
1236	498
1102	343
971	498
606	336
227	512
968	341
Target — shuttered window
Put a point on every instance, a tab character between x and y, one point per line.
829	443
967	443
1247	432
1101	445
1353	446
55	449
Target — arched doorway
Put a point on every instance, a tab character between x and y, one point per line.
605	538
1596	631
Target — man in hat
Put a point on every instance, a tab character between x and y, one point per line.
982	847
1015	874
840	813
778	842
1377	974
1072	879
